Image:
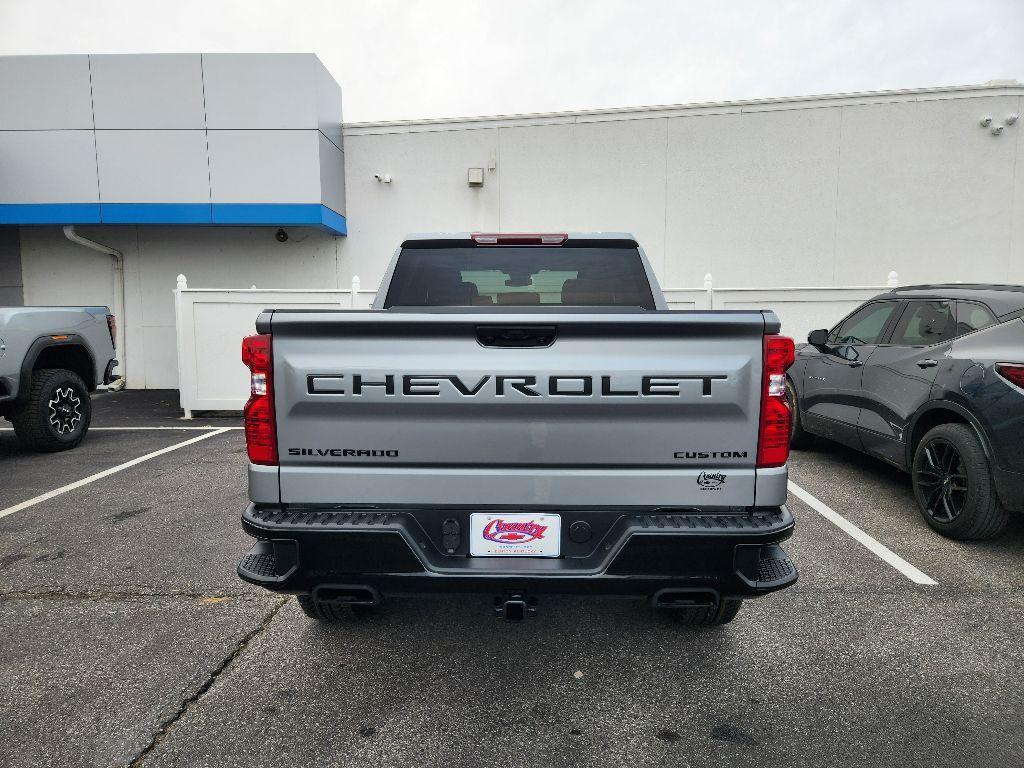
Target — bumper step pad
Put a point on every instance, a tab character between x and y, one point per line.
269	562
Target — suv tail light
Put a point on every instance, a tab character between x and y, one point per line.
773	432
1012	372
260	428
112	327
482	238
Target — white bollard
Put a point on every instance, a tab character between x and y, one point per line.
355	289
709	290
893	280
182	283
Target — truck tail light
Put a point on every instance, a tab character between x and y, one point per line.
112	327
519	238
260	428
773	433
1012	372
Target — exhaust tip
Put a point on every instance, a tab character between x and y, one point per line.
344	594
684	598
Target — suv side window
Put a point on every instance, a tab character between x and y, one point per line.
924	323
864	326
972	317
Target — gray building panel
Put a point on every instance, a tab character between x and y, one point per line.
332	176
148	91
153	166
45	93
328	104
170	139
269	166
48	167
260	91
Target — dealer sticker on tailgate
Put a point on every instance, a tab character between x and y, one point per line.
516	534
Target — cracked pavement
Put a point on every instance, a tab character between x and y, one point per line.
126	639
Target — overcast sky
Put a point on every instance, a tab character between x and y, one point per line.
404	60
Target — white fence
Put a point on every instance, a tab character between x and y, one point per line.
210	323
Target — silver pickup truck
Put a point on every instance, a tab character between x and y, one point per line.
518	415
51	358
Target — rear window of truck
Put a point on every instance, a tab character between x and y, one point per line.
519	277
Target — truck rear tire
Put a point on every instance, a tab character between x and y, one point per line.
56	413
332	612
953	485
711	616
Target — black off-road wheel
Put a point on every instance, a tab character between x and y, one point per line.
953	484
798	437
56	414
332	612
722	613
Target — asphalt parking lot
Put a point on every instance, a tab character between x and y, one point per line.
127	639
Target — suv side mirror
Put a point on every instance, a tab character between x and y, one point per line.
818	338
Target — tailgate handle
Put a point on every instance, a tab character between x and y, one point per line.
516	335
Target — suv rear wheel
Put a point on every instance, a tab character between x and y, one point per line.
56	414
798	438
953	484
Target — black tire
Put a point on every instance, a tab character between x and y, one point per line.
713	616
798	437
953	484
56	414
332	612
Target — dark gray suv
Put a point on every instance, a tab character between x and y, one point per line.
929	378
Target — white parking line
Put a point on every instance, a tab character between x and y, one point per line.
897	562
106	473
144	429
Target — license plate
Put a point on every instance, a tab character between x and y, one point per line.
525	535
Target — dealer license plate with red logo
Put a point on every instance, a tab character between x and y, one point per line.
492	534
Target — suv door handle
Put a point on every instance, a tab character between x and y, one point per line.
855	363
927	363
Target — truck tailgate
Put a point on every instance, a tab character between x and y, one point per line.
486	408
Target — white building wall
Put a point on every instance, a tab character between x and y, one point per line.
825	191
789	192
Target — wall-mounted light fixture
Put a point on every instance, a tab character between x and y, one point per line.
475	177
382	178
997	128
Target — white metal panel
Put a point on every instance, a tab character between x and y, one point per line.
44	93
328	104
751	197
332	175
428	193
148	90
535	176
924	187
47	167
264	166
260	90
1015	259
153	166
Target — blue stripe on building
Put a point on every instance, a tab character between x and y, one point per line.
237	214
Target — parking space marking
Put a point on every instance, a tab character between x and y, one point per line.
106	473
144	429
911	572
